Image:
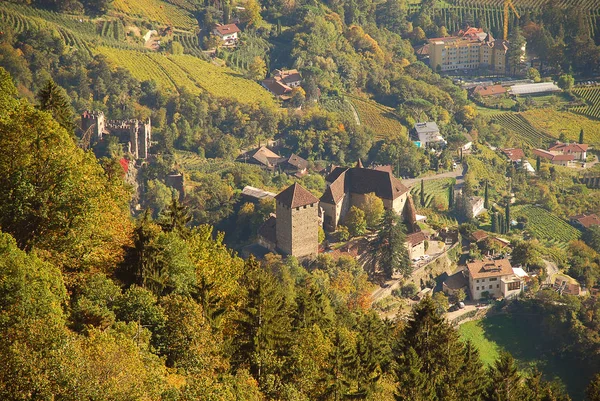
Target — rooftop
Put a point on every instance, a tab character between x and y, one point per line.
227	29
587	221
296	196
569	147
427	127
489	90
528	89
416	238
489	268
514	154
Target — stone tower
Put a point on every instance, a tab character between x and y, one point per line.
297	223
89	118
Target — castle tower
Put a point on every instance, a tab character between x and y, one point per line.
297	223
89	118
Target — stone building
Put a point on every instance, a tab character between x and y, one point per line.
134	134
294	230
347	187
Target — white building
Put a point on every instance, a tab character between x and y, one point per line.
493	278
428	133
228	33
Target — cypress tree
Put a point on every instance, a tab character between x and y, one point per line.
451	196
538	163
422	193
486	200
581	136
494	228
507	215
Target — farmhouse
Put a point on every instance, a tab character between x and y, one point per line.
282	83
493	278
227	33
555	157
469	49
585	220
579	151
262	156
456	282
515	155
347	187
428	133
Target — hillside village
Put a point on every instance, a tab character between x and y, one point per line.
251	200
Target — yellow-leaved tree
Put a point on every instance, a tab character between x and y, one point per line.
55	197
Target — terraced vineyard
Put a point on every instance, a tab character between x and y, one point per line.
158	11
433	189
546	226
592	98
338	105
379	118
251	46
190	43
520	127
555	123
195	75
490	13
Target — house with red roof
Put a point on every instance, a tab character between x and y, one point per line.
585	220
515	155
555	157
227	33
488	91
578	150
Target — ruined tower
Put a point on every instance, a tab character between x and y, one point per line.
96	119
297	224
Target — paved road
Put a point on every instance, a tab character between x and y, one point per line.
551	270
456	173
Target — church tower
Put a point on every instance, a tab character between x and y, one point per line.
297	223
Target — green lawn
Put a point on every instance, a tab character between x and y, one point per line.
525	339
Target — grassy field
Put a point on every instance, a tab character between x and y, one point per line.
592	97
379	118
517	125
546	226
157	11
519	336
176	72
555	122
434	189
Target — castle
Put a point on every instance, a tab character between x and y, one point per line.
294	228
135	134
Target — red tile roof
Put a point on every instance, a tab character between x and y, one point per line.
587	221
479	235
416	238
227	29
514	154
569	147
296	196
489	90
552	157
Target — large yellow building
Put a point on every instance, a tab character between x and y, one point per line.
470	49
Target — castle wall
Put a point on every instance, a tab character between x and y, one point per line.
283	228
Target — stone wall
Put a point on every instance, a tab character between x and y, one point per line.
305	231
284	228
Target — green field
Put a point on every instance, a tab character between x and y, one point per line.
555	123
157	11
516	124
519	336
379	118
546	226
434	189
592	98
185	71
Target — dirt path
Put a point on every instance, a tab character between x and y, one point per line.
551	270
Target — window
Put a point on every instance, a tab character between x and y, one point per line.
497	285
491	286
477	288
493	279
477	280
514	285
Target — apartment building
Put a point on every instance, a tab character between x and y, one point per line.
469	49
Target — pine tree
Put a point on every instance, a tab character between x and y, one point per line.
264	325
593	389
581	136
472	378
53	99
507	215
337	376
486	200
422	193
505	380
414	383
373	353
176	217
388	249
